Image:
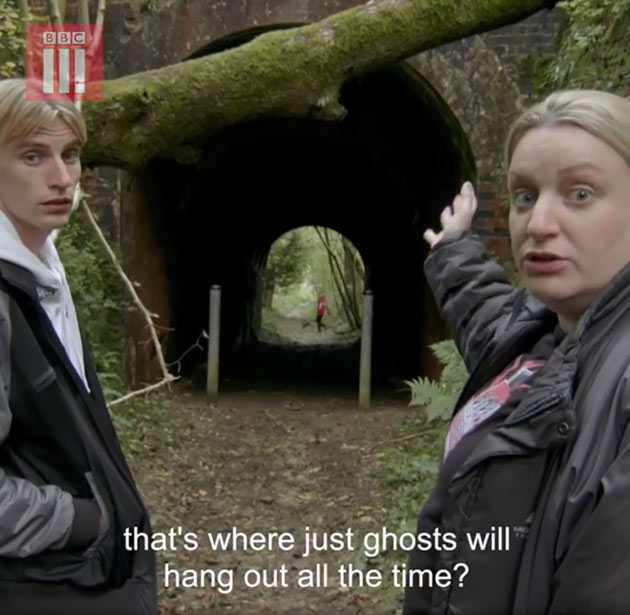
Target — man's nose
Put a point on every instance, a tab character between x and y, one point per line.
543	220
59	175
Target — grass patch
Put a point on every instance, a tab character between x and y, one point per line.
148	428
409	472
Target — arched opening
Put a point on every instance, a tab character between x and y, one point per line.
313	283
378	177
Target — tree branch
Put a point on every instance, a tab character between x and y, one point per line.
52	8
148	316
147	389
171	111
25	13
84	12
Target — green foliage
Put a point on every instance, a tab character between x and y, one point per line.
298	300
410	475
11	41
271	326
410	471
98	296
148	427
285	262
347	273
534	69
593	48
303	252
150	6
440	397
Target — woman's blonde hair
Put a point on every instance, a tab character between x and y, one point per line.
606	116
20	117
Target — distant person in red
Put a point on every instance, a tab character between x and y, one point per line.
321	312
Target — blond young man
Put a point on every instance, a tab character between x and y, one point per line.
66	492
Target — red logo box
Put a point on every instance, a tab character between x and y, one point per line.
64	62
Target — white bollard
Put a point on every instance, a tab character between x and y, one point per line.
365	370
214	327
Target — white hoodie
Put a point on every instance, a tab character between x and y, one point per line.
52	289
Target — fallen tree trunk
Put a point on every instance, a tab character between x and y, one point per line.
170	111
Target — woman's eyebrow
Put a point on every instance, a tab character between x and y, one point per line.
515	176
581	166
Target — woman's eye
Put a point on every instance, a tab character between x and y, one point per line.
580	195
523	197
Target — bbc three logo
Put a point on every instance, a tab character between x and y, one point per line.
57	44
64	62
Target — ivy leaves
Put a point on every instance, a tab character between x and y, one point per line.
11	41
593	47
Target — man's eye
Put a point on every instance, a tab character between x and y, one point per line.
31	157
72	156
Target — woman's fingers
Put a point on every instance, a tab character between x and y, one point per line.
465	202
469	198
455	217
464	208
445	216
431	237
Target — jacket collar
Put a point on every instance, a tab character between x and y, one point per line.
615	296
549	410
20	278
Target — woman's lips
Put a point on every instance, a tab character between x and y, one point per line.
542	263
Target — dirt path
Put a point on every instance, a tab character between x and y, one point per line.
304	332
264	460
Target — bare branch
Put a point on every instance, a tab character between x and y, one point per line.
196	345
132	291
147	389
100	13
411	436
62	10
52	9
25	13
84	12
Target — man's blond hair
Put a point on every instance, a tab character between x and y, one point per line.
21	118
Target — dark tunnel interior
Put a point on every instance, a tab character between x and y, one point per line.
377	177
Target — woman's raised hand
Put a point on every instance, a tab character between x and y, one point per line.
456	217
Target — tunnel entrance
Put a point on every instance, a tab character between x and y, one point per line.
377	177
313	283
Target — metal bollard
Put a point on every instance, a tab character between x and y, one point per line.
212	388
365	370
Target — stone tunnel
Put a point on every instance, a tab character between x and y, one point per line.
377	177
385	171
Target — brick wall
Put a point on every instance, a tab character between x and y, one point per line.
480	78
483	81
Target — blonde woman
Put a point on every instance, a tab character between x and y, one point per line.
538	451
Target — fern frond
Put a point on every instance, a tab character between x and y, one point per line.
439	397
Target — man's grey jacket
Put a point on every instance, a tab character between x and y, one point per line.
60	461
555	470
